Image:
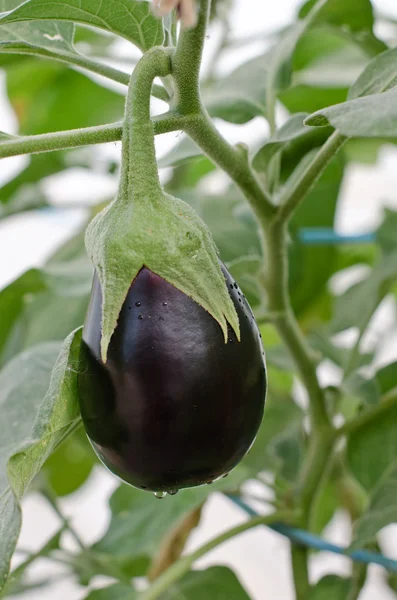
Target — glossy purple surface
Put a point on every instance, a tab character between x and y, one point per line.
174	406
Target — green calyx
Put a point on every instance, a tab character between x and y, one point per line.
144	227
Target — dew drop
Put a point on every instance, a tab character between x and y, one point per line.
231	286
236	286
226	475
165	303
210	482
173	492
160	495
140	317
137	304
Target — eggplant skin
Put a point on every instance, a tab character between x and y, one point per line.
174	406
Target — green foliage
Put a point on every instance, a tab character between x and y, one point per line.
366	462
139	523
382	508
331	586
369	111
51	101
217	583
34	422
70	465
241	95
117	591
132	19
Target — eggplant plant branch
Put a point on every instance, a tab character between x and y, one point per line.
74	138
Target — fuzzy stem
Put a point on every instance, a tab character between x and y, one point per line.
284	319
74	138
186	63
139	173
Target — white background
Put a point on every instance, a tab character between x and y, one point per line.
260	557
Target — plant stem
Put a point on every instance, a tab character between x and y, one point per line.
285	322
182	566
291	200
139	174
300	571
233	160
389	402
63	140
199	126
186	63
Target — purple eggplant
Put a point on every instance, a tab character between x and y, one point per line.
174	406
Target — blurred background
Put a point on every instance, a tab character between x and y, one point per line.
67	193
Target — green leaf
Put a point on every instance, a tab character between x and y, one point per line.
139	523
354	17
331	586
51	37
382	509
53	99
13	300
46	317
336	70
372	449
280	65
117	591
370	116
379	76
386	378
291	130
361	389
131	19
386	233
241	95
326	504
215	583
33	423
354	307
301	98
369	111
312	266
70	465
120	242
282	420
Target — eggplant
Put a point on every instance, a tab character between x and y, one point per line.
174	406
